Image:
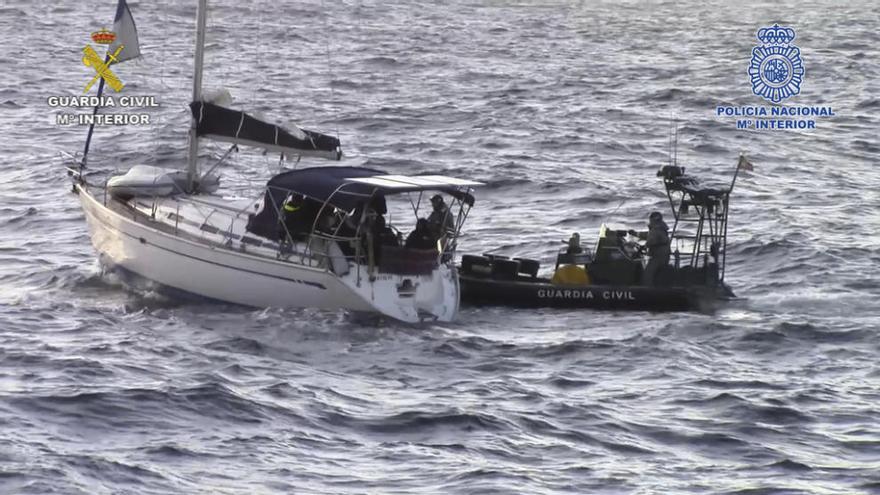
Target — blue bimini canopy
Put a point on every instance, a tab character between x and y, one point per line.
326	184
345	188
317	185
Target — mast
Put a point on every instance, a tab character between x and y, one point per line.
191	165
82	163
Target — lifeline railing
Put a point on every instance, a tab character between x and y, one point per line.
313	254
364	245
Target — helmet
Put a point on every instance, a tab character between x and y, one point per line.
655	215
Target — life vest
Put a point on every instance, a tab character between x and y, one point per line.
570	275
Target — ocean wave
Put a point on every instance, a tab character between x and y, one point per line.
147	407
416	423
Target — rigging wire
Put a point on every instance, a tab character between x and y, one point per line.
164	14
608	214
261	74
330	67
258	58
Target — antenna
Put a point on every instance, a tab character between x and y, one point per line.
675	142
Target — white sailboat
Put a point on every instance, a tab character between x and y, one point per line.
317	237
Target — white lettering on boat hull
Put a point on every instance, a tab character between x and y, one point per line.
608	295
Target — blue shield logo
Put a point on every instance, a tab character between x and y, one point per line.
776	69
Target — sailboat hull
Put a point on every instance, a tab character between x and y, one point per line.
210	272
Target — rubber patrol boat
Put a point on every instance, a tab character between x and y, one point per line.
613	274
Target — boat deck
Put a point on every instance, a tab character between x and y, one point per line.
185	221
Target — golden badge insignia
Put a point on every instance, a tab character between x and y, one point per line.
102	67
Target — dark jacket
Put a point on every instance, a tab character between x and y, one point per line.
421	237
657	239
441	221
299	217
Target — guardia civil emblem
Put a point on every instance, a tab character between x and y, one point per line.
776	68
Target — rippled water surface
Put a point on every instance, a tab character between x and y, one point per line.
563	109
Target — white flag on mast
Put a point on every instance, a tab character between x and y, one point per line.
126	34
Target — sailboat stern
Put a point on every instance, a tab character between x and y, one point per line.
413	298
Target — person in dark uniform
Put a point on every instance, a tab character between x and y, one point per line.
440	220
293	217
422	237
657	241
382	235
574	244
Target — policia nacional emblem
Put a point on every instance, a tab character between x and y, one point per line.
776	69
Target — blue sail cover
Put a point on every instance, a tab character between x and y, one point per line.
234	126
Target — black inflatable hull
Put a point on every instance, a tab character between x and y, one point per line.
540	293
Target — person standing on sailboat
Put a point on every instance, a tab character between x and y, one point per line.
293	218
440	220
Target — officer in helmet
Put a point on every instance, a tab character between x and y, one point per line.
657	242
